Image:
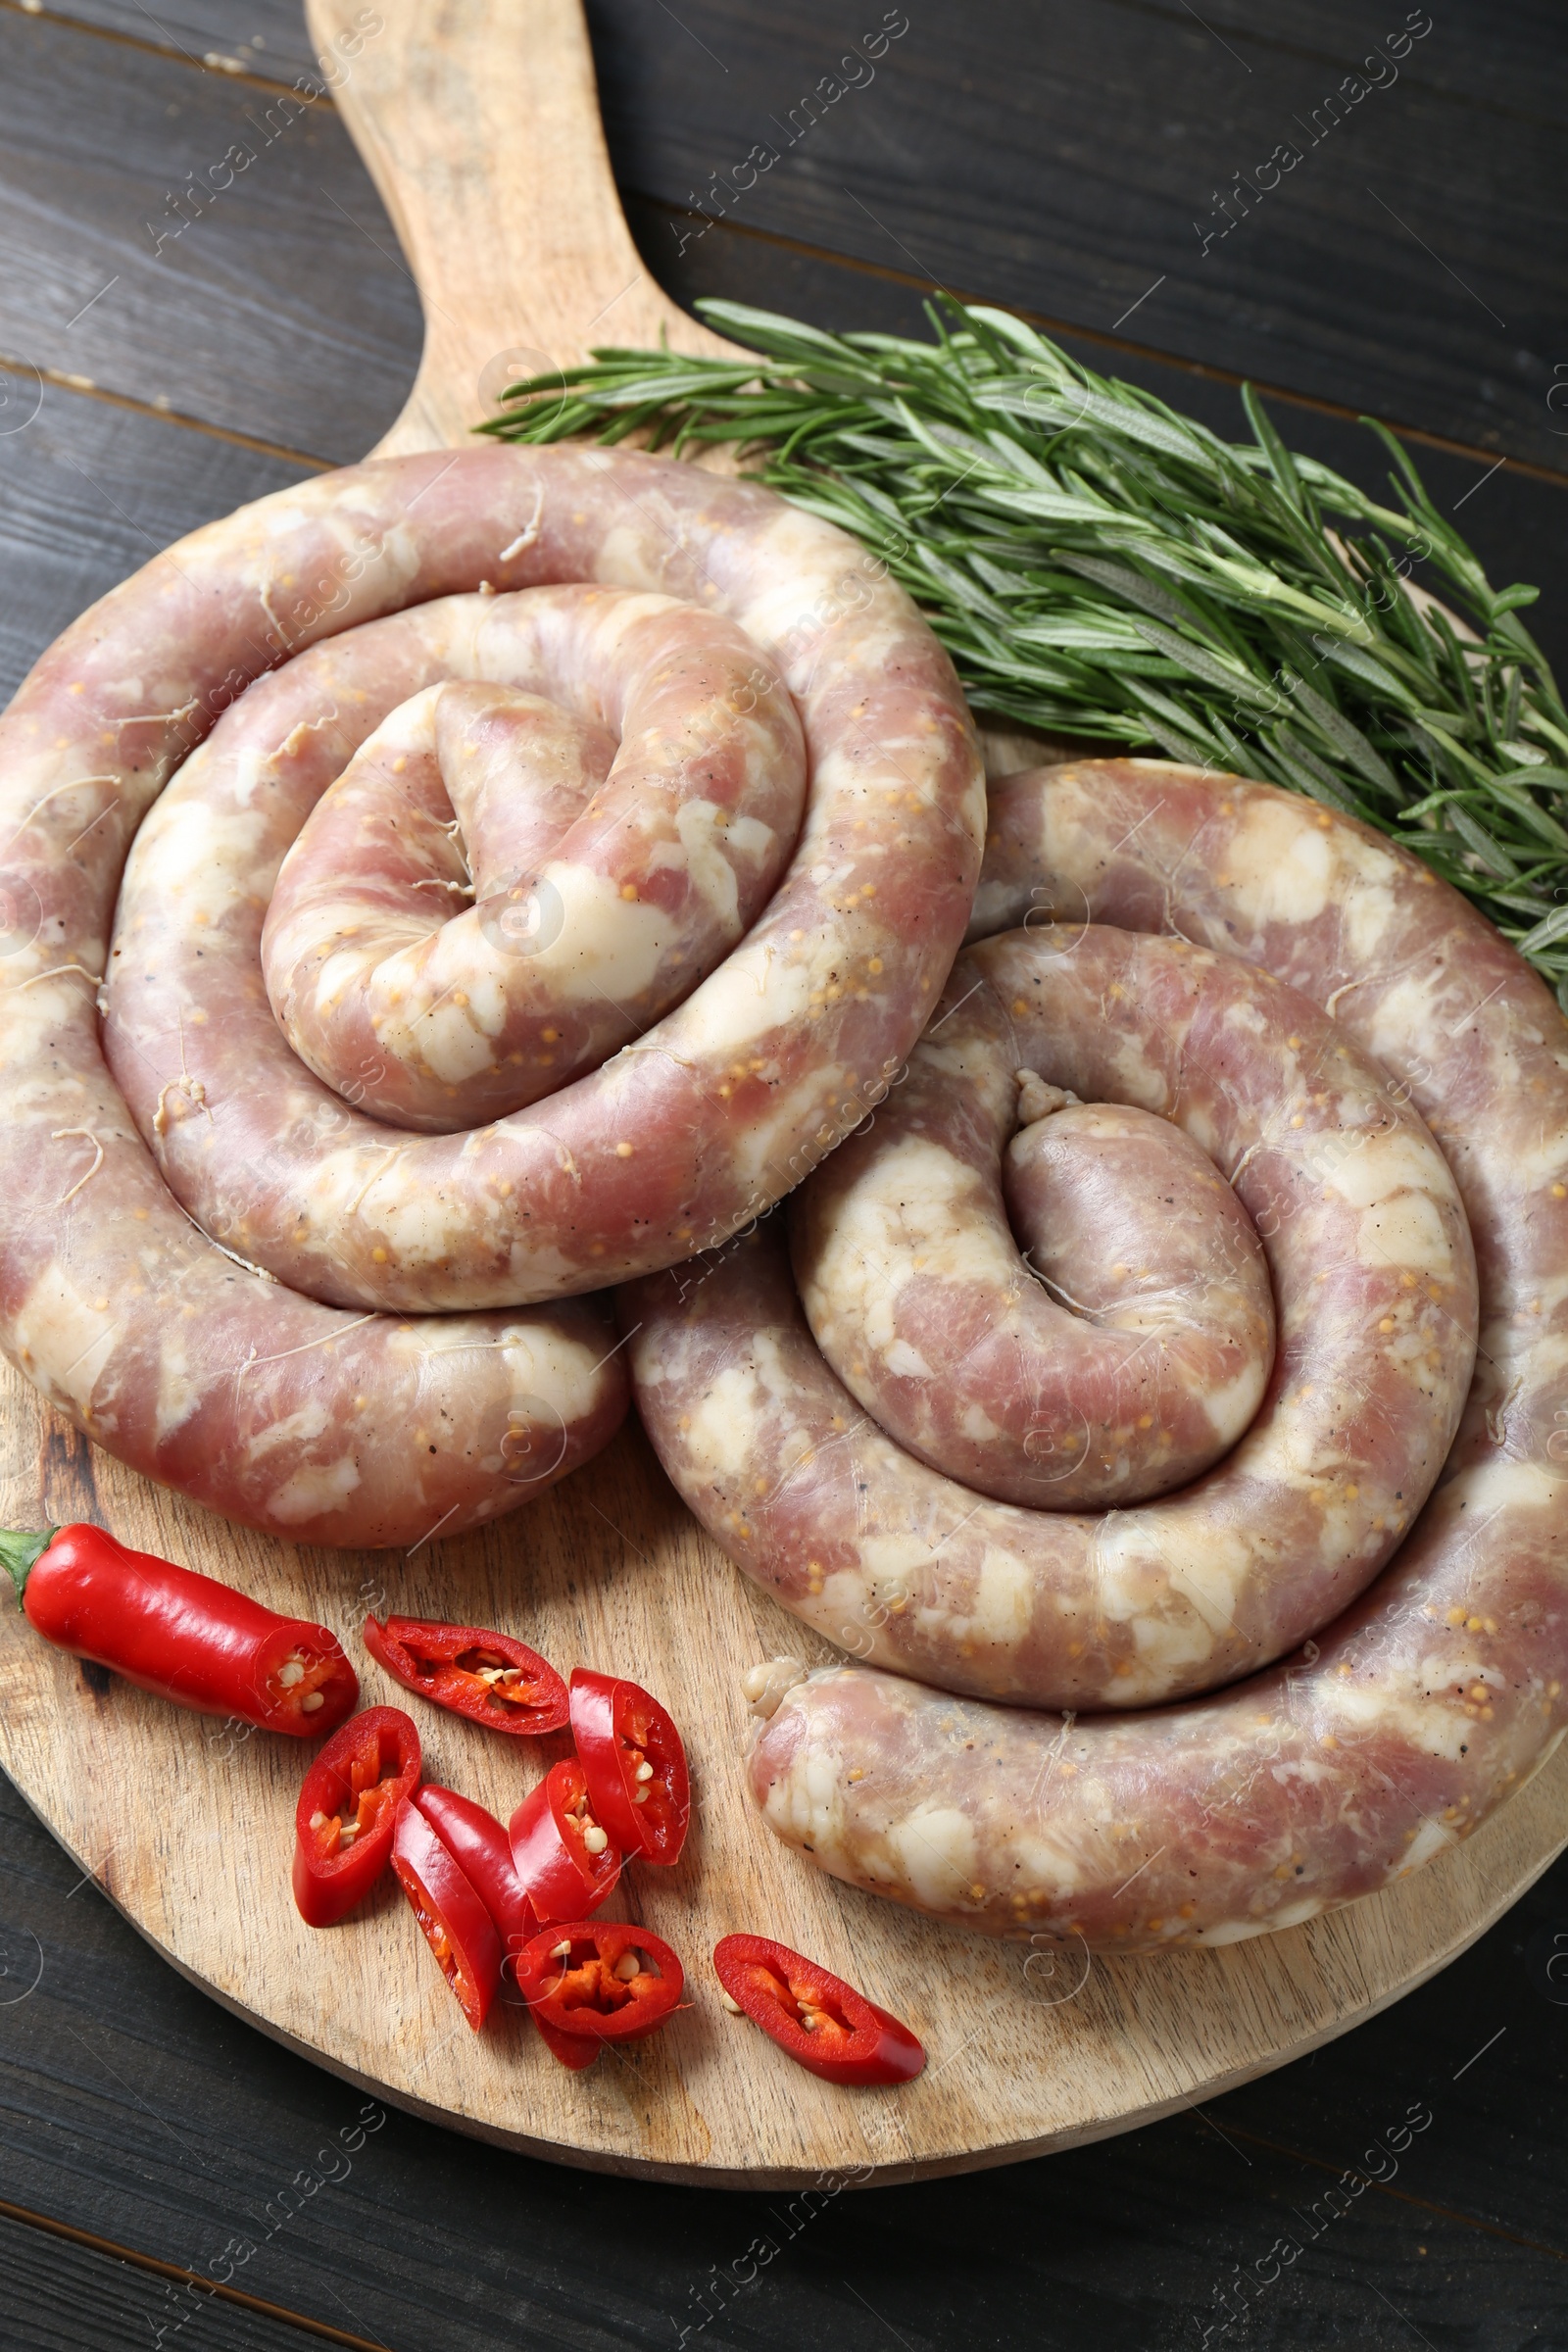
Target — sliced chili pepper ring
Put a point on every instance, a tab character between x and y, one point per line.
451	1913
600	1979
347	1812
486	1676
823	2024
635	1762
563	1856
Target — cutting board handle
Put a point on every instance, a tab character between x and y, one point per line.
478	120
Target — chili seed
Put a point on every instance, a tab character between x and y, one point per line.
595	1838
312	1700
291	1671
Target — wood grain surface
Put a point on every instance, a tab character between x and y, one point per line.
49	2278
103	488
272	293
488	154
492	167
1072	160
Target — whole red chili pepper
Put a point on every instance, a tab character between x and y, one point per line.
452	1917
347	1812
823	2024
479	1844
565	1859
602	1980
486	1676
181	1636
635	1765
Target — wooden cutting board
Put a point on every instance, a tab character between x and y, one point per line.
478	120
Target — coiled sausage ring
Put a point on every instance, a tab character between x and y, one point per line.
545	852
1358	1054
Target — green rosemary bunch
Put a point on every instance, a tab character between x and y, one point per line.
1100	565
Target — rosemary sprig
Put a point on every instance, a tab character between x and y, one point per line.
1100	565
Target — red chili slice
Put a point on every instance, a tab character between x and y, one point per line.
480	1845
452	1916
823	2024
483	1850
347	1812
563	1856
486	1676
600	1979
635	1763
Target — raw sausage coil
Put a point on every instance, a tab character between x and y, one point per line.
223	1268
1387	1736
901	1245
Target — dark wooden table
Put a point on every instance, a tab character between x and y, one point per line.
168	2176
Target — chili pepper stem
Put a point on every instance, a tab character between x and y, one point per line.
20	1549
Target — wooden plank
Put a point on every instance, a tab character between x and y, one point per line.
1517	523
1509	59
92	490
1272	314
1059	159
264	38
131	2107
282	310
61	2295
